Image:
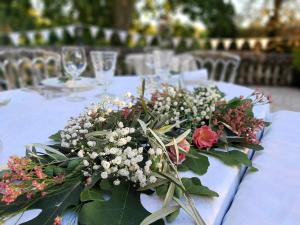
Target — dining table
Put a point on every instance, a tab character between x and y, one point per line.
31	118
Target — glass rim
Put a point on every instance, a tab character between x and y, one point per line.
72	47
103	52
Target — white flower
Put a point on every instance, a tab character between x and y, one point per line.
152	179
91	143
151	151
104	175
105	164
122	141
158	151
94	155
86	163
86	174
80	153
96	167
101	119
128	94
117	160
116	182
132	130
128	138
120	124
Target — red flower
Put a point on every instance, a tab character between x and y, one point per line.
205	137
184	144
126	112
57	221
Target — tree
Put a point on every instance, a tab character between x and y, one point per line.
217	15
105	13
16	15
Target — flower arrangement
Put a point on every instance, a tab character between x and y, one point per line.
102	160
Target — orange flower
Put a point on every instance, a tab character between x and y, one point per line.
205	137
185	145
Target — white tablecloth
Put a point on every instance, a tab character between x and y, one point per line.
30	118
271	196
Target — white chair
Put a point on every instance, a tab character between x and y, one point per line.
221	66
136	63
26	67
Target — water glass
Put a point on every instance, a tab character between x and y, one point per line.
162	64
74	62
104	64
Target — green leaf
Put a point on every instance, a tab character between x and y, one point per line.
55	204
73	164
171	217
267	123
90	194
179	138
163	212
198	165
123	208
55	137
52	152
231	158
193	186
162	190
250	146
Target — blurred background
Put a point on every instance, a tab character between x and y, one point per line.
264	34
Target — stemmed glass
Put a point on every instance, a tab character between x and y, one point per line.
74	62
162	64
104	63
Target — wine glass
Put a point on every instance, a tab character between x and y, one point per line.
74	62
162	64
104	63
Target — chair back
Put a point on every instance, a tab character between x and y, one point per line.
28	67
221	66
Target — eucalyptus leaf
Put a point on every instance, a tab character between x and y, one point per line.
159	215
179	138
52	152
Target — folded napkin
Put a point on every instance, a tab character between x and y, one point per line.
195	77
271	195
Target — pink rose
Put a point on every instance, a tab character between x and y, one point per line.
184	145
205	137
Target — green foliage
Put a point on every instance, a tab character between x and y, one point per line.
123	207
231	158
55	204
193	186
55	137
91	194
17	15
198	165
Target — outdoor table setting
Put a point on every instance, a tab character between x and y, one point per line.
30	118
